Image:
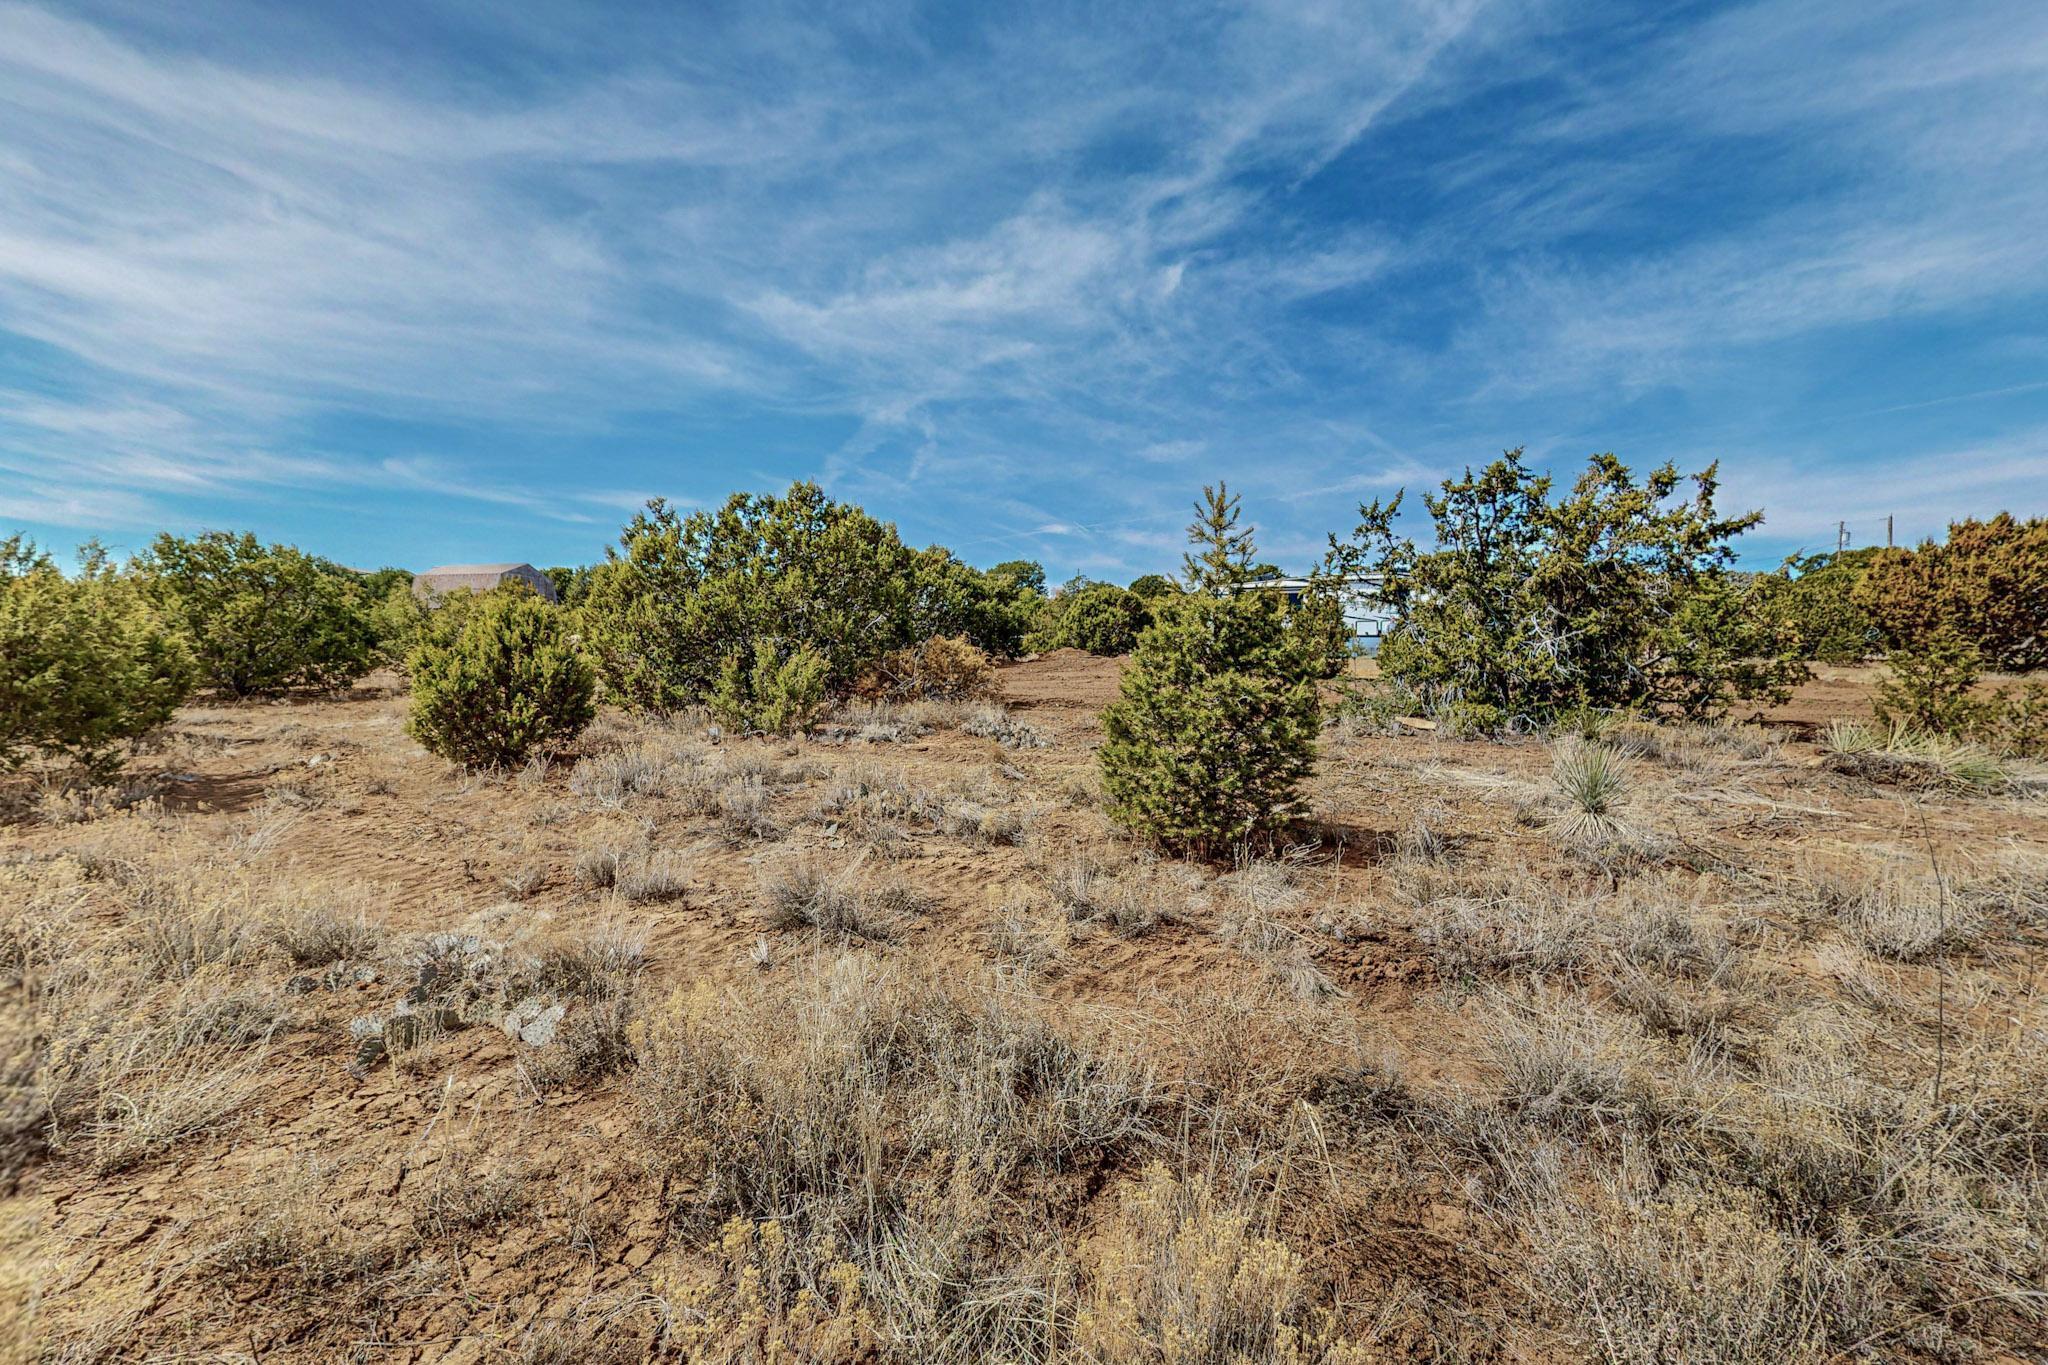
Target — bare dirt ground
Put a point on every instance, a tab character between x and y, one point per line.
1754	1074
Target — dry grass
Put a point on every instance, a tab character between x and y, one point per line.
656	876
983	1082
1905	757
315	932
805	893
992	721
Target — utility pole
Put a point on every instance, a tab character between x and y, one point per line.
1888	531
1841	536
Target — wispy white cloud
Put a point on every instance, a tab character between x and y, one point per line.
982	272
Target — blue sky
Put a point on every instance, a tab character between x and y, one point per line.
452	281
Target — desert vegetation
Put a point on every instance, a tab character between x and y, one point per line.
751	958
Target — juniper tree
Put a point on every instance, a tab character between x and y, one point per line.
1226	552
260	618
1617	595
1215	723
87	667
509	683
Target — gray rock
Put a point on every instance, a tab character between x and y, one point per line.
533	1021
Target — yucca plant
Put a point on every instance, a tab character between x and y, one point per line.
1594	780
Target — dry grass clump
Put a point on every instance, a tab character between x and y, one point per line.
1800	1201
611	778
873	1140
1531	929
1911	919
865	791
596	869
127	1073
817	1073
601	959
593	1337
989	826
1424	839
864	721
468	1192
1180	1274
1897	908
862	1132
147	1036
594	1040
1259	895
1697	748
1091	890
655	876
1681	1010
1905	757
289	1228
70	803
315	932
880	808
128	1028
1566	1063
1015	937
991	720
804	893
943	668
523	880
182	925
1643	1275
744	811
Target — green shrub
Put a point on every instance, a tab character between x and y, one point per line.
1720	641
570	584
398	622
775	694
1609	597
1470	719
2018	722
86	664
991	610
1098	617
260	619
1928	686
1224	554
1214	727
1988	584
509	683
1814	597
403	622
666	608
1151	586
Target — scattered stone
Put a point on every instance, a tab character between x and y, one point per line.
533	1021
368	1032
302	985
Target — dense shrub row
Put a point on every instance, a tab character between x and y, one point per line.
1528	604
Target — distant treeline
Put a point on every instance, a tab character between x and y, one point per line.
1614	593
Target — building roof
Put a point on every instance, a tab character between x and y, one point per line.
480	578
471	569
